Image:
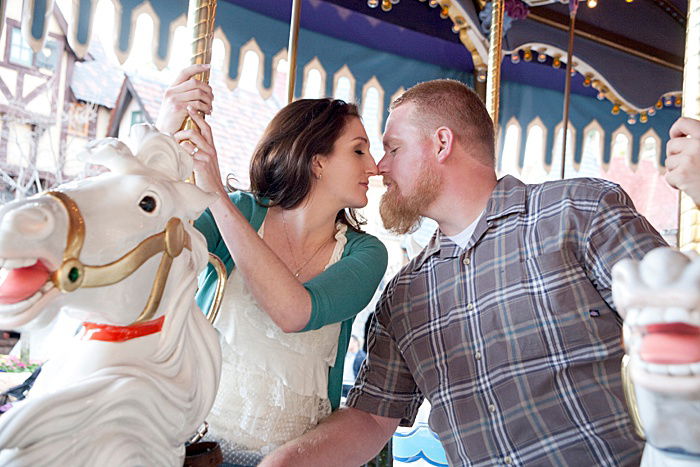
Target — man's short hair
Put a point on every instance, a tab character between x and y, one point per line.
450	103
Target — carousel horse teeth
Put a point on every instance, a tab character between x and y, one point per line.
659	300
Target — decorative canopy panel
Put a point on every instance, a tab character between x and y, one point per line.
414	42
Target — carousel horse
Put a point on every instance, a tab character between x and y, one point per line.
659	299
118	253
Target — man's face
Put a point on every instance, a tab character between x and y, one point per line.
409	169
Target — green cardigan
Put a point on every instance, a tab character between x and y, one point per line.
337	294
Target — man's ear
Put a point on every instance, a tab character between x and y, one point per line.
444	140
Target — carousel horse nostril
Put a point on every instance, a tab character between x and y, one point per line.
33	220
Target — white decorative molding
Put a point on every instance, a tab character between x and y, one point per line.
314	64
344	72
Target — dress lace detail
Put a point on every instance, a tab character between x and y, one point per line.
274	385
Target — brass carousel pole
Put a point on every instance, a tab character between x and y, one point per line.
200	22
573	6
493	79
201	16
689	223
292	49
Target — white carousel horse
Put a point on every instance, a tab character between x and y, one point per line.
659	299
118	253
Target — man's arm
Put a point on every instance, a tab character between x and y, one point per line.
683	157
349	437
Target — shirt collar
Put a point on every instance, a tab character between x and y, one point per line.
508	197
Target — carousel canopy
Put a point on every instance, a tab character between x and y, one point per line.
628	53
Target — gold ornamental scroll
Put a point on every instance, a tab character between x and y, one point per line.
689	222
200	22
493	79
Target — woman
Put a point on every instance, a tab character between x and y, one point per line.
303	269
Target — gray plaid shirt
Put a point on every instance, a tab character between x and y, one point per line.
513	339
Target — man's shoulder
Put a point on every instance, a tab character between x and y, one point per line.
572	188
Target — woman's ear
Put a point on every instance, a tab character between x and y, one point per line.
317	166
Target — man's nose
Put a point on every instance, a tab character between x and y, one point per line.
383	165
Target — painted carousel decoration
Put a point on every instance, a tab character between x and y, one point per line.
659	298
117	252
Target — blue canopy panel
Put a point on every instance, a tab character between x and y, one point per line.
393	72
527	103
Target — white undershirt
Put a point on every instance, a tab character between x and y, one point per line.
462	238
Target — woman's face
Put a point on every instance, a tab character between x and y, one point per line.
344	173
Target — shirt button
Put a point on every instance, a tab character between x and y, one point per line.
508	460
470	306
477	355
466	260
492	408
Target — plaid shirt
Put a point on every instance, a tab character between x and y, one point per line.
513	339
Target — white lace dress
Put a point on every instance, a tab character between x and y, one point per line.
274	385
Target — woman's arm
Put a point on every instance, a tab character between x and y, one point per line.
290	304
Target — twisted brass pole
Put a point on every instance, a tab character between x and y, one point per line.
292	49
200	22
493	80
201	16
689	223
567	91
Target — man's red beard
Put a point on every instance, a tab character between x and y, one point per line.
400	214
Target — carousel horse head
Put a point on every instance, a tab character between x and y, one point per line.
117	252
659	299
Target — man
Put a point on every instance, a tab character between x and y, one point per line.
505	321
683	157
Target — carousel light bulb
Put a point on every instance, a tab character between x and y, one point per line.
481	75
556	63
541	57
587	81
386	5
631	119
373	3
615	110
394	2
515	57
592	3
433	3
651	112
445	12
643	117
668	101
527	56
659	104
601	96
678	101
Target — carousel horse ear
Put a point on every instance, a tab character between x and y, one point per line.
193	199
112	154
160	152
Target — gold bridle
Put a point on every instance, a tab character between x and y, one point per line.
73	274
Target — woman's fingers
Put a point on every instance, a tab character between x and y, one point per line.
197	139
189	71
202	124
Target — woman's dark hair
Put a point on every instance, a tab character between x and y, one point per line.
280	169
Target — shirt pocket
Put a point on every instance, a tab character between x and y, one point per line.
573	316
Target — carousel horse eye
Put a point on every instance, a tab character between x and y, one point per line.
148	203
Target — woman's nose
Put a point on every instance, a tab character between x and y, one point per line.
372	167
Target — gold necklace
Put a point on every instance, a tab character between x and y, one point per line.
289	244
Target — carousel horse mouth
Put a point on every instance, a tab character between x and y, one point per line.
23	283
665	344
